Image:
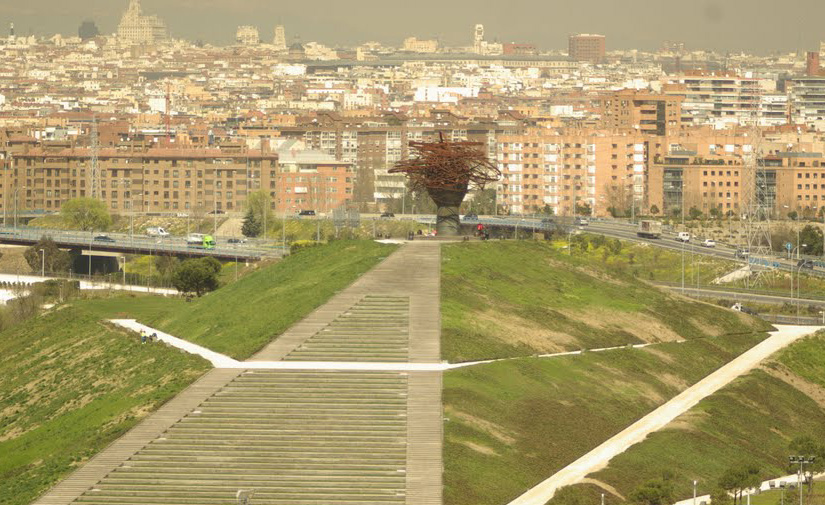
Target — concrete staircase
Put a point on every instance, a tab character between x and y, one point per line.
376	329
295	437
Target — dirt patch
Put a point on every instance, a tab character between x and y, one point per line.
515	330
483	449
642	326
673	380
814	391
689	421
605	487
491	429
665	357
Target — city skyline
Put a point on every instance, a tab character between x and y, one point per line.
721	26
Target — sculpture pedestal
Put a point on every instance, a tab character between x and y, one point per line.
448	221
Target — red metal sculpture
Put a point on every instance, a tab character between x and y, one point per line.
447	170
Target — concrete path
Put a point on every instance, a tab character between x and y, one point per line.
412	272
32	279
599	457
101	465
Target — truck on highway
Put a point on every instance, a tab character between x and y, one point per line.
156	231
649	229
200	241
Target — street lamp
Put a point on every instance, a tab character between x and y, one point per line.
43	271
695	482
801	461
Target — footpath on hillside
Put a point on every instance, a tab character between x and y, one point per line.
599	457
310	434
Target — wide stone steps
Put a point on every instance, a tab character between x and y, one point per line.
376	329
295	437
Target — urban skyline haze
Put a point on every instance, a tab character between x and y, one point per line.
734	25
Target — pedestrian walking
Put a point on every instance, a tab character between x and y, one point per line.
142	336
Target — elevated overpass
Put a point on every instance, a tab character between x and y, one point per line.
90	243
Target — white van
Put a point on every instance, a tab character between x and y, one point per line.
683	236
157	231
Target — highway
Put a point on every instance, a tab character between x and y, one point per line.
627	231
137	244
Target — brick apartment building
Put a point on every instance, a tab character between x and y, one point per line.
587	47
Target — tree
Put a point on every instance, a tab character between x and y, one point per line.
260	203
811	237
583	209
695	213
721	497
653	492
715	212
739	478
807	446
792	215
86	214
654	210
166	265
197	276
251	225
57	260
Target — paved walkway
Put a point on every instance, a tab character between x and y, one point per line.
599	457
412	272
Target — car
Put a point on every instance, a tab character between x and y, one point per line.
471	217
708	243
683	236
741	308
805	264
306	213
582	221
236	241
387	215
741	253
104	238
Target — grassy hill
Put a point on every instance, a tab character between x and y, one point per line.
509	299
753	419
69	386
513	423
242	317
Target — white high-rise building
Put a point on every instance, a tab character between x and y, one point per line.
135	28
280	38
247	36
478	39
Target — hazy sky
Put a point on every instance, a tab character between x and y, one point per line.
761	26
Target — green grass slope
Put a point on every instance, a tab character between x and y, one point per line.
752	419
69	386
513	423
510	299
241	318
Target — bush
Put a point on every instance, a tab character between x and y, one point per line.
198	276
301	245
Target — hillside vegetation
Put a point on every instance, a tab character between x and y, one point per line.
513	423
509	299
753	419
69	386
242	317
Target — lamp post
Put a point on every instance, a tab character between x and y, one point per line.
43	269
801	461
695	482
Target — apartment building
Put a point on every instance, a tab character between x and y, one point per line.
564	169
311	180
641	112
138	177
587	47
807	101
